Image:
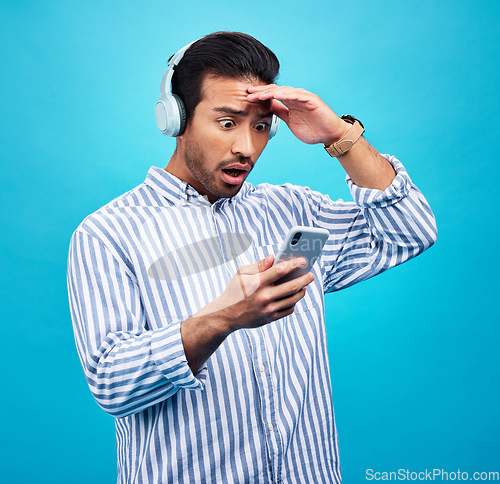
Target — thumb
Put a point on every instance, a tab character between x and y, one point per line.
265	263
259	266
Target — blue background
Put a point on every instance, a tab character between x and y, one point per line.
413	352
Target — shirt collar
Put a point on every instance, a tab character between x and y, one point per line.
179	192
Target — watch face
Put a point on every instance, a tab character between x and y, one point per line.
351	119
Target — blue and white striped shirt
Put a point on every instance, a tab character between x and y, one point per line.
260	410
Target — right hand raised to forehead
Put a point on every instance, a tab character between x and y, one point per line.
251	300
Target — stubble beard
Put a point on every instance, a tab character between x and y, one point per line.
194	157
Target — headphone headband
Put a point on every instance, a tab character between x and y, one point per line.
166	81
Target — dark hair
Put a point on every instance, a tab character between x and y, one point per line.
226	54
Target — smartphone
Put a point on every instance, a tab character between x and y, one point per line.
304	242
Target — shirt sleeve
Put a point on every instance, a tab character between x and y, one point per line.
128	368
377	231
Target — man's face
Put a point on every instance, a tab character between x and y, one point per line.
225	131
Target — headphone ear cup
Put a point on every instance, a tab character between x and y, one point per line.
275	121
161	116
182	114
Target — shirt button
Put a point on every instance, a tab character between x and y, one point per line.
189	192
261	367
270	426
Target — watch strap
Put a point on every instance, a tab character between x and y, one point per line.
344	144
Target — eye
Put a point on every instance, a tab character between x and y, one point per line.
261	126
226	123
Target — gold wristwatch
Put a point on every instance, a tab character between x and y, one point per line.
344	144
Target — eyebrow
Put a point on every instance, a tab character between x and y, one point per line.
236	112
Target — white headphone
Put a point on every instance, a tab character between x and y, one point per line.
170	112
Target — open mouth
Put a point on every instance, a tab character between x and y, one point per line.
234	172
233	176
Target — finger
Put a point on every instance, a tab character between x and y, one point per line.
281	94
249	285
265	91
284	312
288	303
291	287
279	270
267	87
259	266
266	263
280	110
260	88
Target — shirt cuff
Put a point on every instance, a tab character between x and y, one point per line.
168	353
373	198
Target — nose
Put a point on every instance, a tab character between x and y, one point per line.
244	143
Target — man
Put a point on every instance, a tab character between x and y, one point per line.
213	373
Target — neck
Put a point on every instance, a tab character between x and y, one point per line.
177	167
